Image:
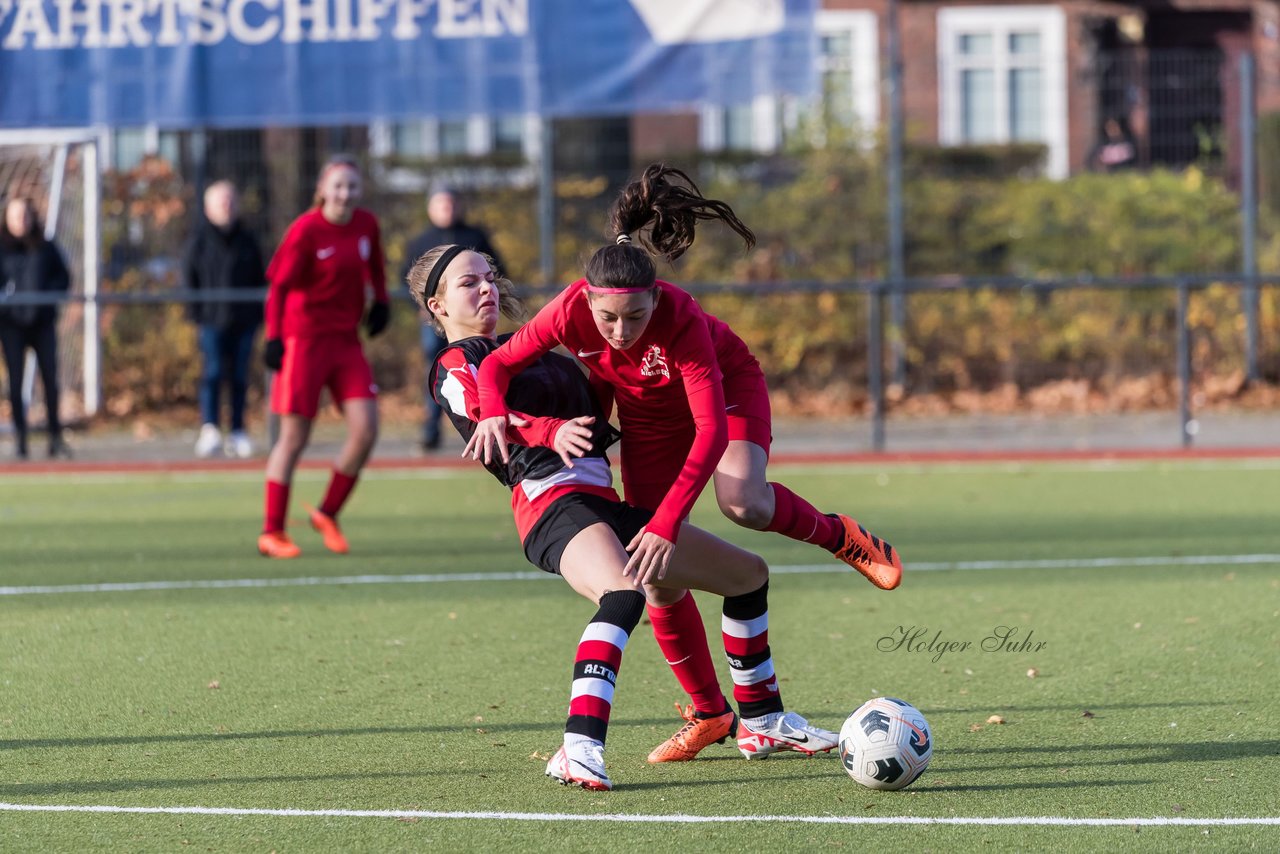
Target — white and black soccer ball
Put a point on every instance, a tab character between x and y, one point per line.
886	744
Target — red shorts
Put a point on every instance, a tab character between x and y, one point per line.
746	403
314	363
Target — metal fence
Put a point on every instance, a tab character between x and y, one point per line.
1181	362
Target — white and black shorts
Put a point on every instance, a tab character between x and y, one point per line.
571	515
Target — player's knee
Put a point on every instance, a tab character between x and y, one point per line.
757	573
662	597
745	509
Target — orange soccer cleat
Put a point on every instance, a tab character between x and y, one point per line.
869	554
695	735
334	541
276	544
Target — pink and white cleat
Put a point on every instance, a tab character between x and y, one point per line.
580	764
760	738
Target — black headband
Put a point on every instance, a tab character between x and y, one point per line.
433	279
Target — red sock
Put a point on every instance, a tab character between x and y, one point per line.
798	519
683	640
277	506
340	486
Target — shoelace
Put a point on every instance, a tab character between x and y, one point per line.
691	722
856	552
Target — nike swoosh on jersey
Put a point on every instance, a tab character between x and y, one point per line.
323	254
582	354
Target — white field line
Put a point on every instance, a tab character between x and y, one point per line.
1060	821
799	569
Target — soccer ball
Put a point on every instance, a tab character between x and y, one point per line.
885	744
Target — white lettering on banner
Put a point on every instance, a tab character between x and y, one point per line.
28	20
342	29
315	11
140	23
209	25
169	34
126	24
471	18
407	14
89	17
368	14
240	28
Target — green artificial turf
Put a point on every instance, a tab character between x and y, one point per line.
1145	691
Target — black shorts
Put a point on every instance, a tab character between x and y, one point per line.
569	516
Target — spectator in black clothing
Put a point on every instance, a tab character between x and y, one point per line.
30	264
444	210
223	255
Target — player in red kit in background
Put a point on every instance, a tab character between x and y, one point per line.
321	278
693	405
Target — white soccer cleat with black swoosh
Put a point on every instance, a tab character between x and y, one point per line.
759	738
581	764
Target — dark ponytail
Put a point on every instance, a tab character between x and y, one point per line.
669	204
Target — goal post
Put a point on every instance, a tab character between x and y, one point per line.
60	170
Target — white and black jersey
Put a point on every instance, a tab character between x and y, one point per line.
548	393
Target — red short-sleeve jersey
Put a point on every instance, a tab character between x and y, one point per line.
320	274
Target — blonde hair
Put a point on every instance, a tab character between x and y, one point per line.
419	274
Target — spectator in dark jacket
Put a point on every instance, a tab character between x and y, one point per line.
222	255
29	265
444	210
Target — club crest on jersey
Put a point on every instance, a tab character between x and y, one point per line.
654	363
365	248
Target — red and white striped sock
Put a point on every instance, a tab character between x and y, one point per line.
595	669
745	627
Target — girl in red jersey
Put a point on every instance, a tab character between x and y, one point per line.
572	523
691	400
320	280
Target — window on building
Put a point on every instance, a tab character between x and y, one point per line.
849	67
509	134
409	139
429	139
738	125
452	138
129	145
848	94
1002	77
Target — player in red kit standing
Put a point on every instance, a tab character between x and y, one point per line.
320	280
693	405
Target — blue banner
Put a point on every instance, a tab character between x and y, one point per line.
250	63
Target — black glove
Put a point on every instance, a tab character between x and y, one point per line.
273	354
379	316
